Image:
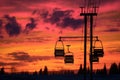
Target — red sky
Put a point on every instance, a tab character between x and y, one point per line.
33	47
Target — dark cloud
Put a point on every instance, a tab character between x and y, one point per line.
12	27
61	18
30	26
71	22
112	30
58	14
22	56
11	63
44	13
114	50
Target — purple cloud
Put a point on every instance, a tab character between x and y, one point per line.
12	27
112	30
61	18
11	63
30	26
71	22
22	56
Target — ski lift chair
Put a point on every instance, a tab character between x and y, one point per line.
69	58
98	48
59	49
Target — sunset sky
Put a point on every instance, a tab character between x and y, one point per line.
31	48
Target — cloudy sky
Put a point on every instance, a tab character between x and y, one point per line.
30	28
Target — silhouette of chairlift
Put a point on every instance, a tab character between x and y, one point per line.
59	49
98	48
68	58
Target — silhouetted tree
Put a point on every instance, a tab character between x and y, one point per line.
45	72
40	72
104	71
35	73
98	71
113	69
2	70
80	71
68	72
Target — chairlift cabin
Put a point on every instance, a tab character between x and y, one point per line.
98	48
69	58
95	59
59	49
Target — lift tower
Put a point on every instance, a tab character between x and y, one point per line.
89	9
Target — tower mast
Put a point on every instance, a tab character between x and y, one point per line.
89	9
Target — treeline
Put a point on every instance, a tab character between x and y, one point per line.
101	74
114	69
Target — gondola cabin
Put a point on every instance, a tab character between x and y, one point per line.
59	49
98	49
69	58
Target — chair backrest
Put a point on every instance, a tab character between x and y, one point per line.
59	49
98	48
59	53
98	52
